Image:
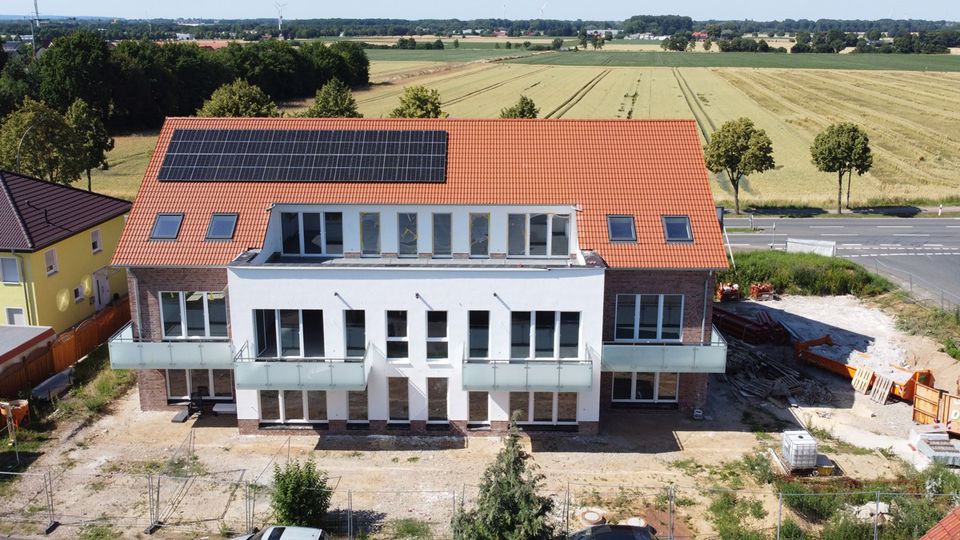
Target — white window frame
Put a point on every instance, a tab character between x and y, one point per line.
78	295
529	421
283	409
16	266
346	344
96	241
276	322
416	224
526	236
395	339
11	320
656	389
183	317
470	217
324	251
379	252
210	389
433	235
532	352
636	319
469	328
444	339
55	266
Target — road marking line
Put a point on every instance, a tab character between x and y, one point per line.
739	245
911	234
839	234
826	226
850	245
933	245
953	226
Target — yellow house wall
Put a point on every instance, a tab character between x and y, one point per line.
53	295
12	294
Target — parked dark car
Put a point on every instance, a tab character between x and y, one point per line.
616	532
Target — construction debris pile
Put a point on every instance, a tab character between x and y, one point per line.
756	375
763	329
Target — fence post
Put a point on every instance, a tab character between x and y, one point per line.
566	511
52	523
779	513
876	517
349	515
670	502
153	501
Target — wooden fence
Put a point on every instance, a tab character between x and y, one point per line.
65	350
931	405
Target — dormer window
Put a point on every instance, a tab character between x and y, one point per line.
677	229
311	233
166	227
621	229
538	235
221	226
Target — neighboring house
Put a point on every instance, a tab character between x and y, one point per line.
422	275
56	243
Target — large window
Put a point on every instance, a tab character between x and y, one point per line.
10	270
193	314
182	384
538	235
544	334
436	399
479	334
437	345
355	328
479	405
646	387
398	394
293	406
357	406
398	341
544	407
649	317
369	234
295	333
479	235
312	233
442	235
407	234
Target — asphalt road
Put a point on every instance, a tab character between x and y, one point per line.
922	253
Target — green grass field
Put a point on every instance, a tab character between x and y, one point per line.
462	54
897	62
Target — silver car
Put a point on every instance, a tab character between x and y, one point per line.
279	532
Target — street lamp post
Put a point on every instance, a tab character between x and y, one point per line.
20	144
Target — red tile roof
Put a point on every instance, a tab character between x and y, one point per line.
646	168
947	529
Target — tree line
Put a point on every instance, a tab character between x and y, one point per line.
834	41
138	83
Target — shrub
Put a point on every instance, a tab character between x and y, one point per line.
844	528
407	528
301	495
789	530
804	273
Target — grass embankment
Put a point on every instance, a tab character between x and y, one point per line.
804	273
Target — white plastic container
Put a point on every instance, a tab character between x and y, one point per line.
799	450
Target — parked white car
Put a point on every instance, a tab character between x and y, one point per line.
285	533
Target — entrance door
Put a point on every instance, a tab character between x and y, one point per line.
101	288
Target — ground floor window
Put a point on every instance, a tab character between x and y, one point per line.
293	406
645	387
544	407
182	384
479	405
436	399
399	395
357	406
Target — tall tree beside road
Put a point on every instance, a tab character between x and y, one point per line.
842	148
334	100
35	140
76	66
239	99
739	148
93	141
419	102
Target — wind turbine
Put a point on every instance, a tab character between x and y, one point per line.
543	7
280	16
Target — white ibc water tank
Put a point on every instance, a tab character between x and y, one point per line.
799	450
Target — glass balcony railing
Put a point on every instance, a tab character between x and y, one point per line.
667	357
529	375
129	352
303	373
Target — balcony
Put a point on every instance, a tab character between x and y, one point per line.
529	375
128	352
667	357
303	373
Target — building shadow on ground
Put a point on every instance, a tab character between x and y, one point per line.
361	442
893	210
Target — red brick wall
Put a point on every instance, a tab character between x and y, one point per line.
688	283
152	384
145	285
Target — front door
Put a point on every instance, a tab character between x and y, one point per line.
101	288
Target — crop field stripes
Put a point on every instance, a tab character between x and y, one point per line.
447	75
699	113
632	97
562	109
493	86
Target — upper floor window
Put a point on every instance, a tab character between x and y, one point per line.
9	270
407	234
193	314
544	334
479	235
649	317
221	226
677	229
311	233
442	235
292	332
437	346
166	227
398	342
96	243
479	338
50	261
354	321
621	229
538	235
369	233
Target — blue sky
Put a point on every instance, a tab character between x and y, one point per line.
514	9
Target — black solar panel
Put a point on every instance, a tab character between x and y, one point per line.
288	155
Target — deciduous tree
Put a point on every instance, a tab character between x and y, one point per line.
842	148
35	140
76	66
419	102
737	149
508	506
93	141
523	108
334	100
239	99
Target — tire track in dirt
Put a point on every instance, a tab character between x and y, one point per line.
699	113
493	86
577	96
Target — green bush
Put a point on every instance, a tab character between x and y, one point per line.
410	528
301	494
844	528
803	273
728	512
789	530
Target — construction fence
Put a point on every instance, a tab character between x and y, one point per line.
69	347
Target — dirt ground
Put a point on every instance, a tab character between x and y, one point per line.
99	472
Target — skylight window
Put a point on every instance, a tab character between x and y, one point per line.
221	226
677	229
621	229
166	227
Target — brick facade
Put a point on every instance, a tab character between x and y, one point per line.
152	385
146	284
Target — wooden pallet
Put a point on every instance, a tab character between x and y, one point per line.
861	381
881	389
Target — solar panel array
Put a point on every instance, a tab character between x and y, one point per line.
291	155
